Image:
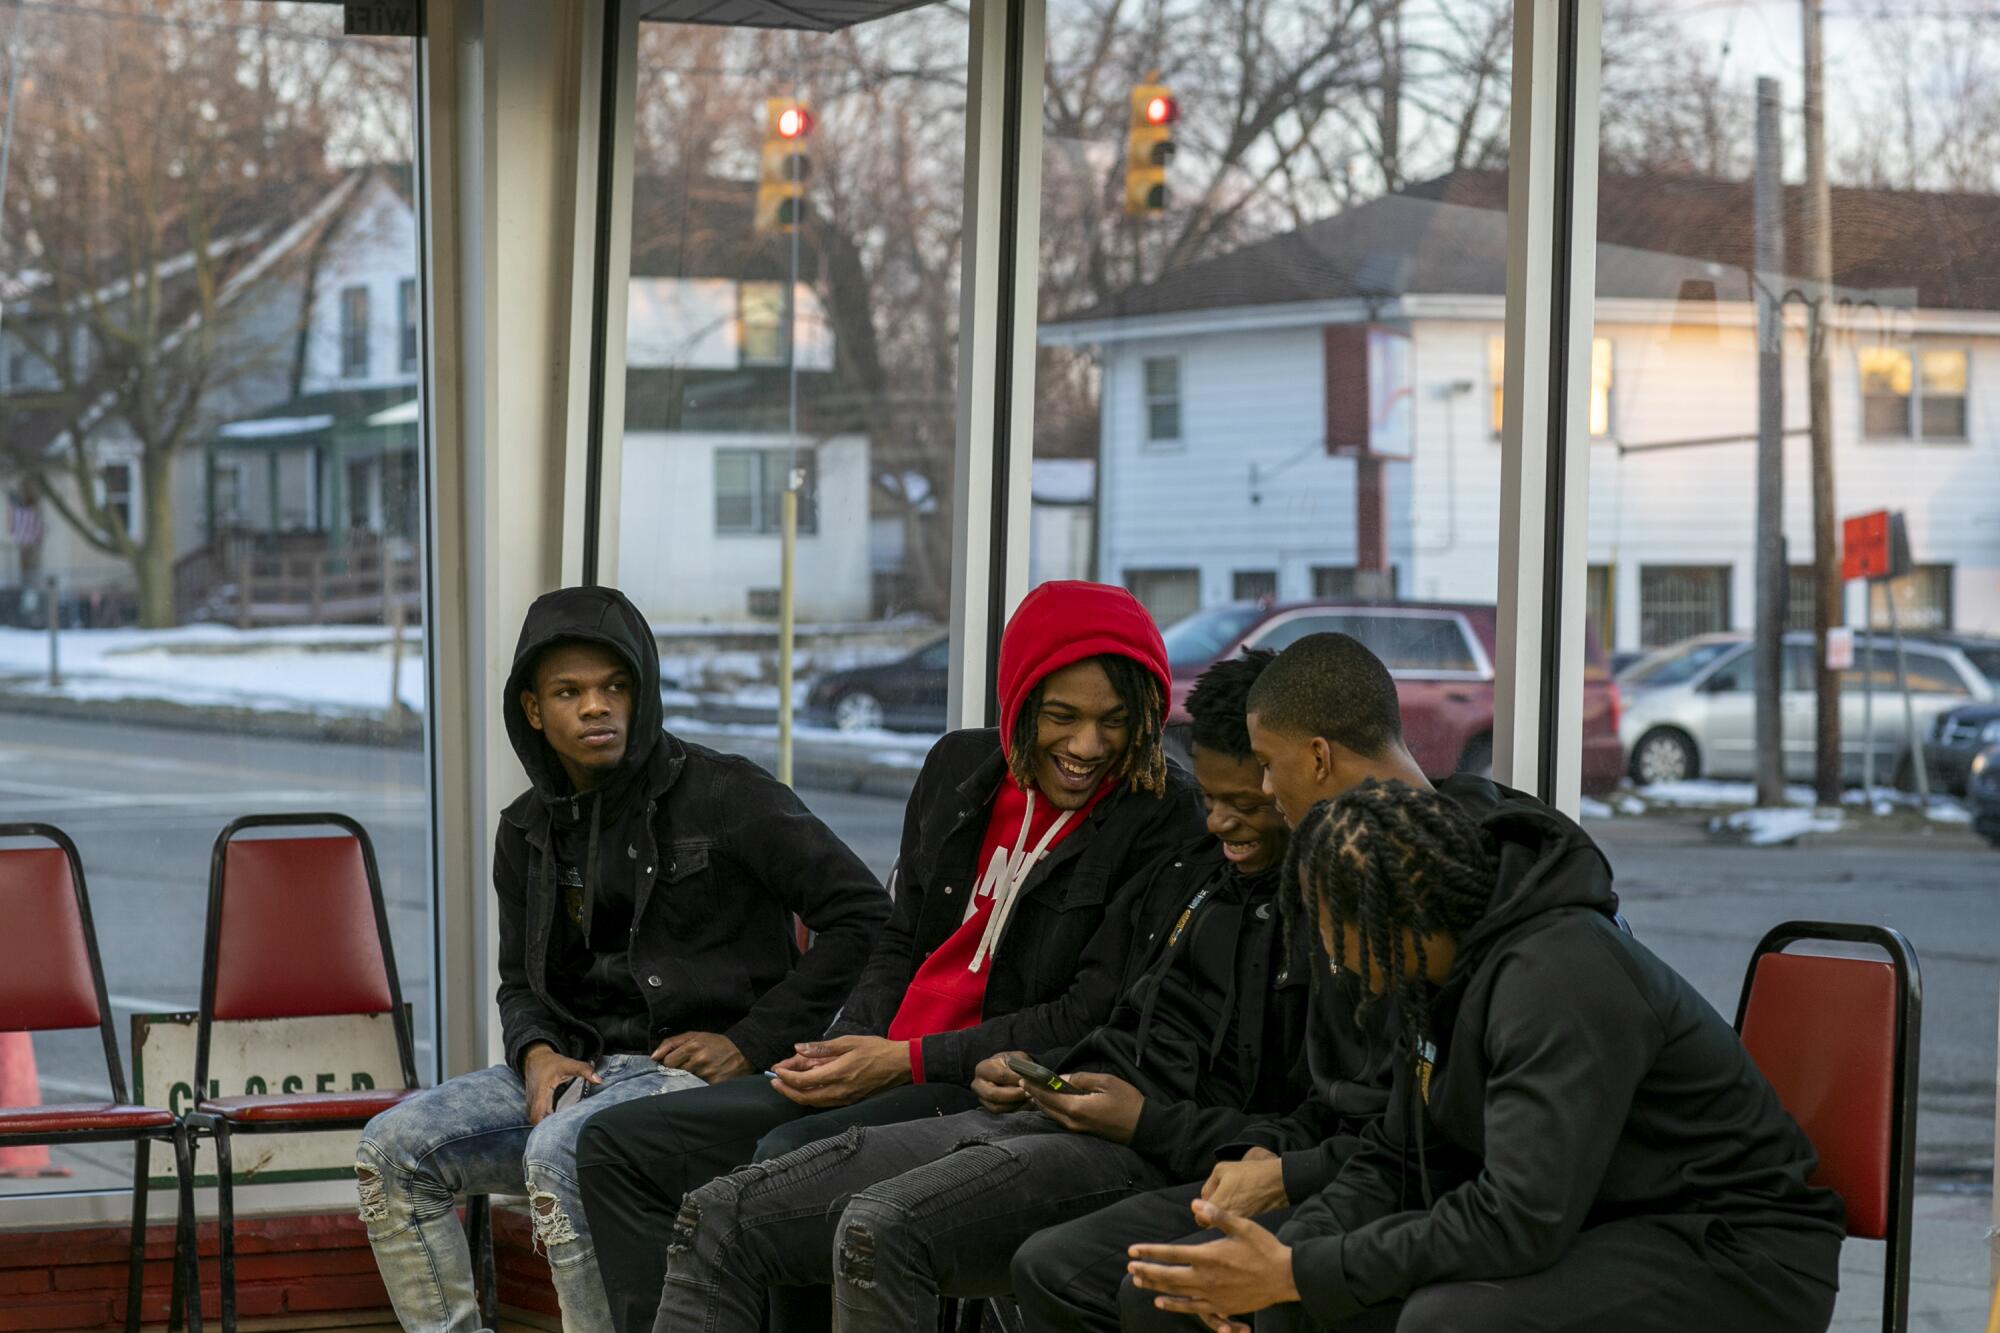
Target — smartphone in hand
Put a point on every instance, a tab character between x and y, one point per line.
1039	1075
568	1093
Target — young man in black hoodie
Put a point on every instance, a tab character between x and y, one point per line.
1576	1140
1205	1036
646	893
1009	931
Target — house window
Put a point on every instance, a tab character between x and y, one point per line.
406	321
1600	589
1919	394
354	332
1679	601
1254	585
1163	399
761	324
1600	383
750	489
1170	594
1923	599
1800	586
231	495
118	486
1344	583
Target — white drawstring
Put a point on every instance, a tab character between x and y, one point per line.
1005	874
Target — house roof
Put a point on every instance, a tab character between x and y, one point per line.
316	418
810	15
1655	234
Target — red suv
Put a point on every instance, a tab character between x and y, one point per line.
1441	655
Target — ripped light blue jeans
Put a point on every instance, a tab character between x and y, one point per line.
470	1135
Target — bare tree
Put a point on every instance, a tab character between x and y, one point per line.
169	173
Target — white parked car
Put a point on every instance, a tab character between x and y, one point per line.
1690	709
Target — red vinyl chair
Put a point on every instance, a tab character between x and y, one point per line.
1837	1037
296	928
54	981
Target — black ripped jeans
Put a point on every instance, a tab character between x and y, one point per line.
893	1217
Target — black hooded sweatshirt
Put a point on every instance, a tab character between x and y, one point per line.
662	901
1576	1080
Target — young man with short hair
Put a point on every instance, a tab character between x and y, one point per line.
1009	929
646	892
1205	1038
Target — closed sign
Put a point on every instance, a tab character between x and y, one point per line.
266	1057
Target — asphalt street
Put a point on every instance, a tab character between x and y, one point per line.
144	807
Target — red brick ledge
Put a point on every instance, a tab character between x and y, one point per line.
55	1280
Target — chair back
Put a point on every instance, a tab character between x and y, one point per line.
297	928
53	979
1837	1038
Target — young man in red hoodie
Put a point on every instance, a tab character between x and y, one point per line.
1009	931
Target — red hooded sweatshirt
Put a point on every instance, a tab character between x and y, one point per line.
1057	625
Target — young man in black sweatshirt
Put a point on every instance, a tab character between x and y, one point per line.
646	890
1205	1037
1576	1140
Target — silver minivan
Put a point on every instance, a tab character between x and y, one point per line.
1690	709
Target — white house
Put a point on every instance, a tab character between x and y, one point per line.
1217	483
323	322
730	386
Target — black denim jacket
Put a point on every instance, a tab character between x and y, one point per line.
725	856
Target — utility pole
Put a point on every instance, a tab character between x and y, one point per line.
1768	220
1828	588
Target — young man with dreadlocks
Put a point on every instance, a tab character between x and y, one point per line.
1009	930
1576	1139
1205	1040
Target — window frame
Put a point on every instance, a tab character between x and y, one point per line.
354	300
409	333
1913	402
1151	402
1496	371
765	524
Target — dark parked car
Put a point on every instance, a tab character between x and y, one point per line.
1983	793
1441	655
1956	738
907	694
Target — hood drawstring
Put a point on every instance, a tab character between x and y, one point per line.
1005	874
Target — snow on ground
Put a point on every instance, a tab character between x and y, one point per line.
1702	794
1594	809
330	671
1775	827
900	749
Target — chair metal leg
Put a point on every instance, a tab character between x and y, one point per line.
187	1252
225	1220
135	1259
479	1232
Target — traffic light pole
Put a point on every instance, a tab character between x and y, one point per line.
788	543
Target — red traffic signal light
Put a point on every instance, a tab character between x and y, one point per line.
1162	110
794	122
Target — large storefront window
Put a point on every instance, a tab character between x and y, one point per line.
1688	262
793	325
211	586
1265	321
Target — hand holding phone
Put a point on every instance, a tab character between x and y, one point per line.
1040	1076
567	1094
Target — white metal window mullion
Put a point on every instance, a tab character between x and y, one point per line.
993	466
1545	436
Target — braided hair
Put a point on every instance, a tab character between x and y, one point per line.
1399	865
1144	763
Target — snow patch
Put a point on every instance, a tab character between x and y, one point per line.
1703	793
1774	828
1594	809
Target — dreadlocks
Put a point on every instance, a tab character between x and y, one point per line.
1397	864
1145	762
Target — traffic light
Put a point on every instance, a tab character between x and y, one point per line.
781	177
1149	146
